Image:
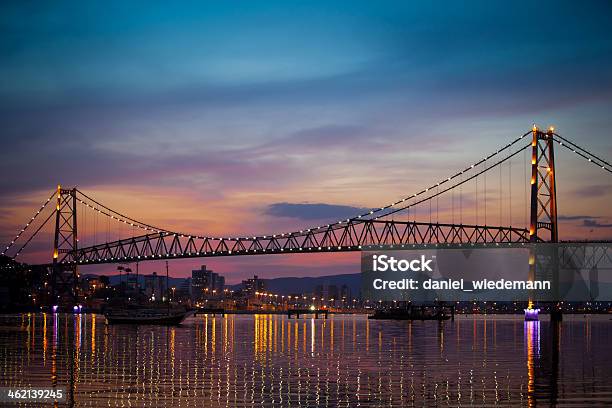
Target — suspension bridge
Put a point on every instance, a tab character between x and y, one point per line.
414	220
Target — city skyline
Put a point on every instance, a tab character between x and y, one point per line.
263	119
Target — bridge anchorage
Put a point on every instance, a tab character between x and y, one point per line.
403	223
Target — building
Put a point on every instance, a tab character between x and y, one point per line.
345	293
328	293
184	290
252	285
93	283
332	292
206	283
319	291
155	286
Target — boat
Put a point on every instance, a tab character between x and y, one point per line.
409	314
167	313
146	315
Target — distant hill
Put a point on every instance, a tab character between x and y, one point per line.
288	286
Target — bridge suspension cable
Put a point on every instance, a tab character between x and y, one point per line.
585	154
463	181
116	215
25	244
42	207
104	210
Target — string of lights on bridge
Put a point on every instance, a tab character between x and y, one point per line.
25	244
584	153
42	207
146	227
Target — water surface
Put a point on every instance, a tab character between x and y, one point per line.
238	361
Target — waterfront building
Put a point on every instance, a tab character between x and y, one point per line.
155	286
206	283
253	285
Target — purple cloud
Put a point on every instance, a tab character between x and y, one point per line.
318	211
575	217
595	224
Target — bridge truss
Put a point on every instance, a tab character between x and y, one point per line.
349	236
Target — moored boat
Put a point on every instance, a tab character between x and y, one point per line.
410	314
146	315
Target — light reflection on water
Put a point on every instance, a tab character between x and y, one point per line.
342	361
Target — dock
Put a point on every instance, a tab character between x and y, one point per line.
315	312
210	310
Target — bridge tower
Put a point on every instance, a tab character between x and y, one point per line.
543	220
64	274
543	215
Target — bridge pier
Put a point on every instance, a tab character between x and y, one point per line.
556	315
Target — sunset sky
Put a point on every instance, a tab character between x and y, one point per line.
236	118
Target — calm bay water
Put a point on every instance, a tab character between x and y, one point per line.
346	360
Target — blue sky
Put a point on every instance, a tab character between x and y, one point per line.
205	110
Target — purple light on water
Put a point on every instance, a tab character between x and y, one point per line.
531	314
